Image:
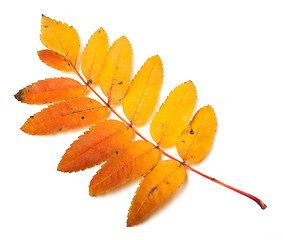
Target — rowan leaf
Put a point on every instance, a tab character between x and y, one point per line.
157	186
173	115
115	76
142	96
196	140
133	161
55	60
94	55
61	38
65	115
51	90
96	145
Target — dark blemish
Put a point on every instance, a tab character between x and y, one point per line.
122	168
46	26
57	53
192	132
120	83
116	67
31	117
157	147
167	182
60	129
183	141
213	179
99	31
116	152
71	26
19	95
89	82
69	64
152	190
82	117
130	125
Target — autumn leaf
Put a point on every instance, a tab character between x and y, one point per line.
157	186
55	60
61	38
111	140
195	141
96	145
94	55
115	76
65	115
142	96
51	90
131	162
173	115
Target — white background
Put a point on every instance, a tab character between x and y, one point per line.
231	50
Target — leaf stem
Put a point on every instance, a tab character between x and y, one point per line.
257	200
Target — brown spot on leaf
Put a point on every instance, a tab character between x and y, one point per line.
152	190
19	95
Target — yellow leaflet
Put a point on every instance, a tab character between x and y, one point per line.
115	76
196	139
61	38
173	115
94	55
142	95
156	187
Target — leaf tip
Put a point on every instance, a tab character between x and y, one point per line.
19	95
101	30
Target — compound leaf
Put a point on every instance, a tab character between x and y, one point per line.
65	115
61	38
156	187
96	145
133	161
94	55
196	140
51	90
173	115
143	93
115	76
55	60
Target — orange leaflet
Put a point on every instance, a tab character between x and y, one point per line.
65	115
131	162
157	186
195	141
51	90
96	145
55	60
115	76
61	38
94	55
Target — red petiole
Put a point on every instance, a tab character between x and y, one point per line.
258	201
